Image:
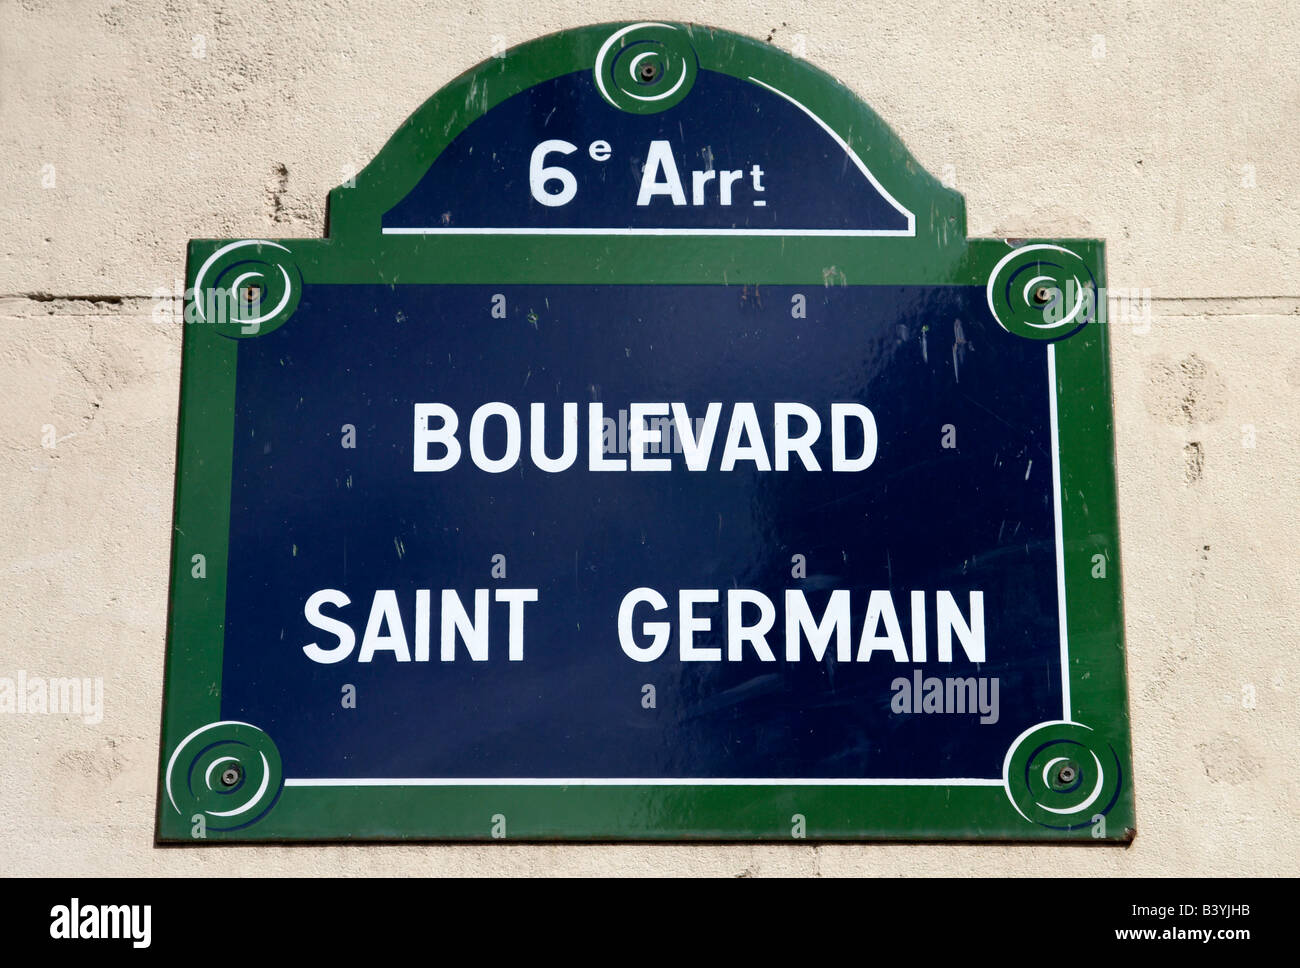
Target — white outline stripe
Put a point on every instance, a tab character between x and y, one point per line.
838	233
911	219
637	781
782	781
779	781
1060	540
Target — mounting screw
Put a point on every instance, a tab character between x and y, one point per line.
231	775
1066	775
648	72
1042	295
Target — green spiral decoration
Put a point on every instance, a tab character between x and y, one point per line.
646	68
245	289
229	772
1044	292
1062	775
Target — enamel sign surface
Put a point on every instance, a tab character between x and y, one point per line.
646	453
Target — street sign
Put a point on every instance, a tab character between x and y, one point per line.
645	454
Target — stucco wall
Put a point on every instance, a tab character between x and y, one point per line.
1166	128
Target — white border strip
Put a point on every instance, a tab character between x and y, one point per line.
911	219
788	233
788	781
635	781
1060	540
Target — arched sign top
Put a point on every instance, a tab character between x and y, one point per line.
645	453
647	129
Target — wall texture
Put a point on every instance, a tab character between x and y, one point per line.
1166	128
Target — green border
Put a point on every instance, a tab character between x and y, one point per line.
355	251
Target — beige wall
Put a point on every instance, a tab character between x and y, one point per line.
1168	128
